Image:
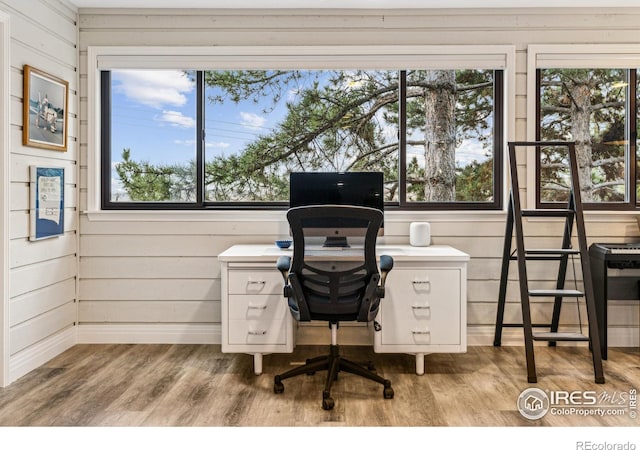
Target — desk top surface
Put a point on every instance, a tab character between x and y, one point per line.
266	252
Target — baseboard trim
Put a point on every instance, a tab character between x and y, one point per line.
306	335
150	334
38	354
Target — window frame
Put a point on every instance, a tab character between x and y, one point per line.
380	57
578	56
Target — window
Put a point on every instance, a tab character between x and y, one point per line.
151	123
260	125
590	107
228	138
591	98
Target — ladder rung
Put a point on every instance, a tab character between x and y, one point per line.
552	251
546	254
555	293
547	212
559	336
533	325
538	258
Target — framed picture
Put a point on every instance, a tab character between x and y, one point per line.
46	209
45	110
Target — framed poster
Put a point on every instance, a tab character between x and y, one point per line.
45	101
46	208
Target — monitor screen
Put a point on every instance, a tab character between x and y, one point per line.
337	188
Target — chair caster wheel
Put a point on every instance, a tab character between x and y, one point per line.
327	403
387	393
278	387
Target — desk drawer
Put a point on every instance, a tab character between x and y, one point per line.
251	282
422	307
260	332
257	307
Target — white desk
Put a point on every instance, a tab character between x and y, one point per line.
424	310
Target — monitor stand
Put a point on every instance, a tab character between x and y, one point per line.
333	241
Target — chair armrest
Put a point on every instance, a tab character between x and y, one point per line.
283	265
386	264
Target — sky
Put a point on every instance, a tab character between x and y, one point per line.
154	115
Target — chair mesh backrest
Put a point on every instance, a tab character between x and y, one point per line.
334	287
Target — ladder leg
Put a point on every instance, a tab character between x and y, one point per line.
594	339
524	291
514	206
526	318
528	341
557	303
504	274
562	273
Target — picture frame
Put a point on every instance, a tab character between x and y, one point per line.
45	102
46	202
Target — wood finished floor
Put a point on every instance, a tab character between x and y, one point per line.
197	385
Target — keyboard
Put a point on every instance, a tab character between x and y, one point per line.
618	256
620	249
625	251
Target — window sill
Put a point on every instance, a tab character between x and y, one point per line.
279	216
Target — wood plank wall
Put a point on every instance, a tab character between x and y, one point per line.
43	274
159	281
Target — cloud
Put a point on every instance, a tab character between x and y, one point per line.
217	145
187	143
154	88
192	143
469	151
251	120
176	119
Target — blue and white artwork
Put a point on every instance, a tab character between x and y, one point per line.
47	202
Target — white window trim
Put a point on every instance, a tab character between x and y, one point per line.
295	57
5	199
567	56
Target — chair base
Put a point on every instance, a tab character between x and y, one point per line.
333	363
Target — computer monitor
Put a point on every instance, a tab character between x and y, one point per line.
336	188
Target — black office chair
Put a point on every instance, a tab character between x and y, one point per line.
320	286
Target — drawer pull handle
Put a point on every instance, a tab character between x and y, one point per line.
421	332
257	282
260	307
257	333
421	282
421	307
